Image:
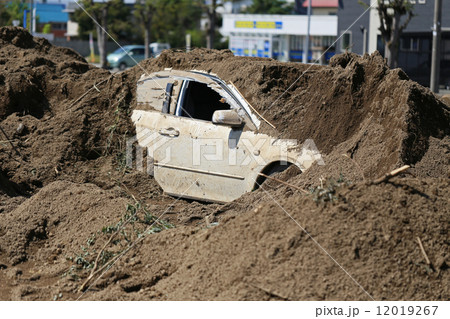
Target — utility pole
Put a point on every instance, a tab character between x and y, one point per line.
33	23
306	50
436	53
30	28
364	33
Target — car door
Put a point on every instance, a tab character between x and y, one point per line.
193	157
197	158
138	55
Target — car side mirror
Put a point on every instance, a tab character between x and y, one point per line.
227	117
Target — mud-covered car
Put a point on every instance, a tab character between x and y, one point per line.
204	137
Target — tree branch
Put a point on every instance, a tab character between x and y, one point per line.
405	24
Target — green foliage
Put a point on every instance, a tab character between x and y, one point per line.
118	24
81	259
85	23
47	28
394	9
172	19
12	10
4	15
270	7
198	38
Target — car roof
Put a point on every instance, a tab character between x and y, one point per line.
210	79
134	46
200	76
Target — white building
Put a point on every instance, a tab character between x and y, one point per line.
281	37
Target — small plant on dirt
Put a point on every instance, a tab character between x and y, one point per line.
71	273
81	260
91	240
119	110
109	243
121	160
116	141
326	192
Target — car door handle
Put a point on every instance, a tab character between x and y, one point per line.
169	132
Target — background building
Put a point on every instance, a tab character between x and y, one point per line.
354	37
280	37
52	14
320	7
72	26
415	42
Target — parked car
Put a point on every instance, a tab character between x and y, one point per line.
157	48
126	56
204	137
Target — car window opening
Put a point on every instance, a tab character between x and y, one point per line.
201	102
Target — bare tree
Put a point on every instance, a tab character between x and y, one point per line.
211	12
144	12
111	17
392	24
99	11
102	37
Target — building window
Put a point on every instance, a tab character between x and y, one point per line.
322	41
409	44
59	26
296	42
414	44
422	1
346	41
328	41
446	47
316	41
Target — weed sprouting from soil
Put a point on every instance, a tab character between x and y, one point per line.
326	192
116	140
112	240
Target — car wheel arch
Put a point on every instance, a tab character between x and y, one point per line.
270	169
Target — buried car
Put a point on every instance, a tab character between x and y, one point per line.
203	138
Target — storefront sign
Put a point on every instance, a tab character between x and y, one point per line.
258	24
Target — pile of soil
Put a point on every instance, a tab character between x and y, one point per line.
262	254
64	186
46	135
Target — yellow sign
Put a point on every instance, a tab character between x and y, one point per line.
265	25
244	24
258	24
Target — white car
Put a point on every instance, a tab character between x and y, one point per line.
202	137
157	48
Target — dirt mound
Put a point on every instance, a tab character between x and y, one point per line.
36	76
246	257
254	252
65	188
58	113
371	232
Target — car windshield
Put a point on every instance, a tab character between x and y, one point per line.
120	51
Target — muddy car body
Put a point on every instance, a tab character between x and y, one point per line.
203	137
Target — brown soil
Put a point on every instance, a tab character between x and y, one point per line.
64	186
